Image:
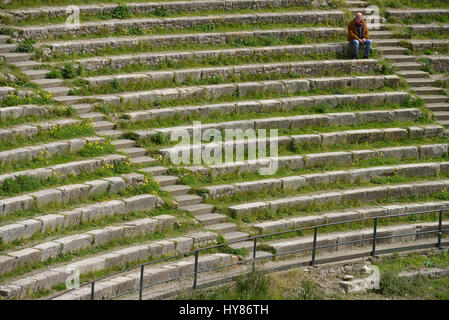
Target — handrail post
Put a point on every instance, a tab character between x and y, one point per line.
254	253
373	253
440	223
315	232
196	270
92	291
141	282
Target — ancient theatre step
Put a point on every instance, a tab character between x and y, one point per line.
103	125
235	236
58	91
433	98
188	199
48	83
16	57
155	171
36	74
69	99
400	66
420	82
26	65
143	160
6	47
427	90
177	189
400	58
198	209
225	227
92	116
123	144
113	134
381	35
82	108
438	106
166	180
388	43
441	115
390	50
134	152
412	74
211	218
4	38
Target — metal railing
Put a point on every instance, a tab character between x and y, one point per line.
374	241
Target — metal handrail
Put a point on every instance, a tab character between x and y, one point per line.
255	238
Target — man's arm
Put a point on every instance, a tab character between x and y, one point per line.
366	31
352	33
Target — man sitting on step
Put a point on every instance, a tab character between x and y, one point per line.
358	35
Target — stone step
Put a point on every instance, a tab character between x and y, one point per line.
235	236
433	98
36	74
104	125
383	43
355	3
247	245
438	106
82	108
413	74
143	160
188	199
134	152
222	227
155	171
16	56
426	90
92	116
4	38
166	180
123	143
420	82
177	189
400	58
115	134
198	209
349	118
26	65
93	27
210	218
444	123
381	34
389	50
69	99
48	83
59	91
401	66
441	115
7	48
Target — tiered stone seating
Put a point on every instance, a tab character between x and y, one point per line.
357	139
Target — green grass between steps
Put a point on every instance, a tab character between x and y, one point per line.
292	149
90	149
141	85
266	94
23	183
201	28
178	230
158	14
231	43
83	129
218	117
58	70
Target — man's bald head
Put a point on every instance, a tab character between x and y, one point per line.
358	17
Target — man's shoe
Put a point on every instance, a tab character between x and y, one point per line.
355	58
365	57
